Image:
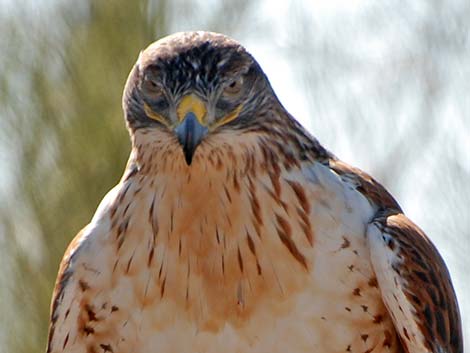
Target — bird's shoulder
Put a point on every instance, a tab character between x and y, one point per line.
413	277
374	191
84	248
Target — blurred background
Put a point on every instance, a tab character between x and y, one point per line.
383	84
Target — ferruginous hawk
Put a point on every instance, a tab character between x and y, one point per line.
233	230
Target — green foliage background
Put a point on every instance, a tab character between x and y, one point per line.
71	142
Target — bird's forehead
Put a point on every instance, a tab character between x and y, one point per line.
188	57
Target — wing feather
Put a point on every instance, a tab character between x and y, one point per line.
415	285
61	283
64	304
413	278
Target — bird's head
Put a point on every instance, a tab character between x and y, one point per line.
194	85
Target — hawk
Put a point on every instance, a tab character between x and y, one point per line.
233	230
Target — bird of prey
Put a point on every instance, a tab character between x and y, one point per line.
233	230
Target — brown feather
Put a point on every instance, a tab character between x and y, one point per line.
428	284
367	185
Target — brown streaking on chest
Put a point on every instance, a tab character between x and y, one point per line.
215	243
209	249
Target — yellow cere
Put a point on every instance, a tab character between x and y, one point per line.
155	116
191	103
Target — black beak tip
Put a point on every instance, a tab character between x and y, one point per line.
188	156
190	134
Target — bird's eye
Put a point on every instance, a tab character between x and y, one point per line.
234	87
151	89
154	94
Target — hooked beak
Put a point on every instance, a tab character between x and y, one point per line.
190	134
192	126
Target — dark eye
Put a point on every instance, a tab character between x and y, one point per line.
151	89
154	94
234	87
